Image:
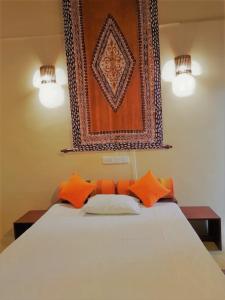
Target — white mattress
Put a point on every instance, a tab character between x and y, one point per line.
67	255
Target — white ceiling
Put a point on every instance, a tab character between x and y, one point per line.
21	18
190	10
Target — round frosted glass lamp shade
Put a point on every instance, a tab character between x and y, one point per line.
169	71
183	85
37	79
51	95
61	76
196	68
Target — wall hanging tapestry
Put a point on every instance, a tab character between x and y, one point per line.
113	63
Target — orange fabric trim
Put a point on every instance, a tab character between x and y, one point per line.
101	115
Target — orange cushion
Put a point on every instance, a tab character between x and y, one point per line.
168	183
148	189
76	191
104	186
62	185
123	186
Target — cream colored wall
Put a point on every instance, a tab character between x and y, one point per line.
33	135
1	208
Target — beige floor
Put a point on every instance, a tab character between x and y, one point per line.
219	256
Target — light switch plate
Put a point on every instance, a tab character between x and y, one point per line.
114	160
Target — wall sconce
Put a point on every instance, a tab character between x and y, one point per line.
49	81
180	72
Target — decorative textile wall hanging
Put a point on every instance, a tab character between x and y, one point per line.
113	63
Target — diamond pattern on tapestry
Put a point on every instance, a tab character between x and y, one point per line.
112	63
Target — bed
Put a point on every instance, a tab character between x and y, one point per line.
69	255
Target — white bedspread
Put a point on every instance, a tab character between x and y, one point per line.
67	255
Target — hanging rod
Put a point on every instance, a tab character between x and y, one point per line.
67	150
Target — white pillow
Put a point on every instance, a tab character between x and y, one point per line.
112	205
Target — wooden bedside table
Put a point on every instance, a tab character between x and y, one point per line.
26	221
205	214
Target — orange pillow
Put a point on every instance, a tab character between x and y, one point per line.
104	186
148	189
123	186
168	183
76	191
62	185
